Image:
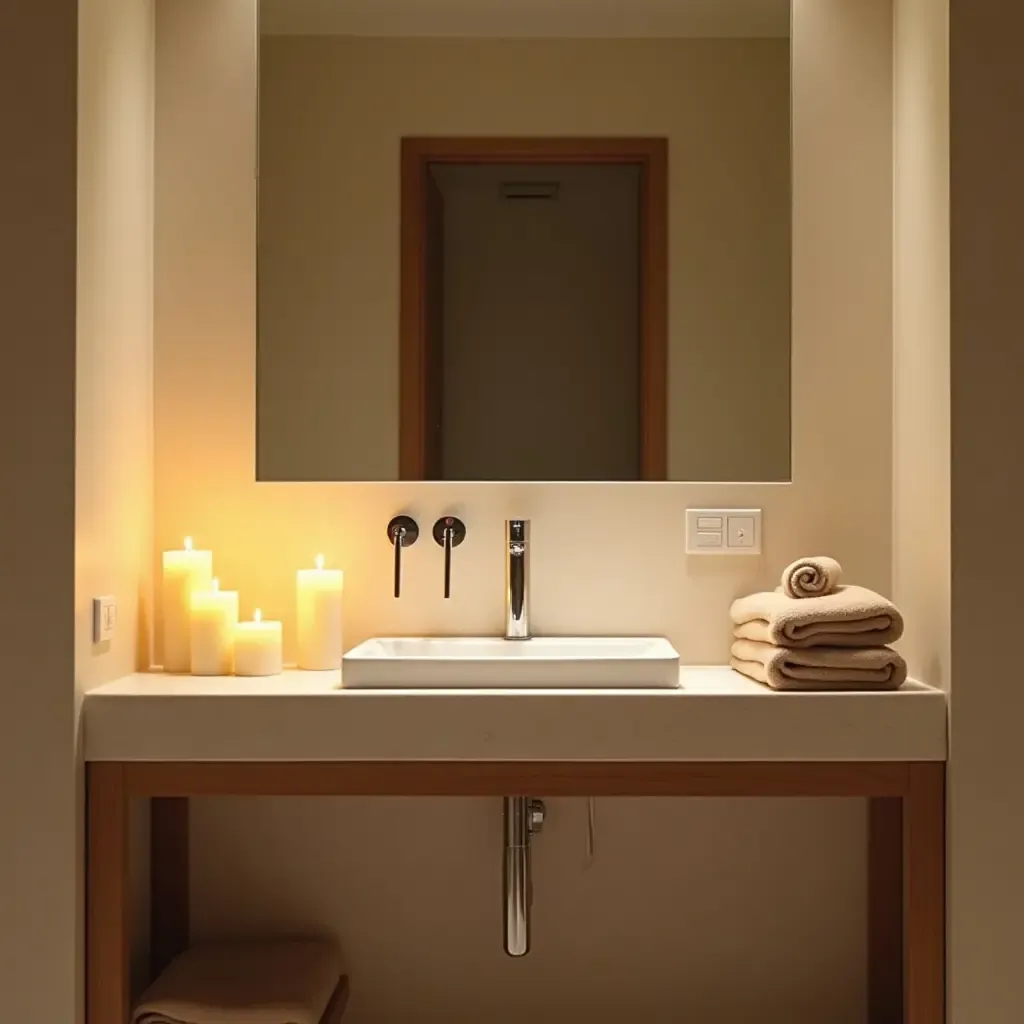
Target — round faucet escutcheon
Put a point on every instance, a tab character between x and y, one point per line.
449	524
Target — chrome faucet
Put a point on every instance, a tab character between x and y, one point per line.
517	579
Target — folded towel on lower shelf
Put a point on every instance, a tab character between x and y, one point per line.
285	981
811	577
819	668
849	617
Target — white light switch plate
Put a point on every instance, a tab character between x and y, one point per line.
104	619
723	531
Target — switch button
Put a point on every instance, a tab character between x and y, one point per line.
741	531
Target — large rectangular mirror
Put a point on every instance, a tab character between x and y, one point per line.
533	241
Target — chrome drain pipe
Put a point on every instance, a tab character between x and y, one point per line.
524	818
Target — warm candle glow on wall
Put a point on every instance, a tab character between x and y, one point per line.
258	647
184	572
318	616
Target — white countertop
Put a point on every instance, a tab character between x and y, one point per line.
717	715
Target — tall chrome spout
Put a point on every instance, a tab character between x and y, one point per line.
517	579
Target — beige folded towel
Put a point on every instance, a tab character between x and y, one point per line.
286	981
819	668
851	617
811	577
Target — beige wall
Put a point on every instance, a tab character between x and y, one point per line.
987	427
38	851
333	110
114	473
114	418
270	863
922	583
921	457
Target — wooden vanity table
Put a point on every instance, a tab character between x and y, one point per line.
167	739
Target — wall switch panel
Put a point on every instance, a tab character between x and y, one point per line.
723	531
104	619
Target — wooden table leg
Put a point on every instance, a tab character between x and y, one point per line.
168	880
108	908
924	871
885	910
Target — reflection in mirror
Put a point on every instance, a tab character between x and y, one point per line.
534	243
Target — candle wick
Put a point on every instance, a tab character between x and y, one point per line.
188	543
319	561
257	615
215	584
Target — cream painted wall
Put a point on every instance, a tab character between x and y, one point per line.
114	473
987	488
921	456
114	417
600	563
38	850
329	227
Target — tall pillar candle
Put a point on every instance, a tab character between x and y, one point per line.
258	647
184	571
318	606
214	618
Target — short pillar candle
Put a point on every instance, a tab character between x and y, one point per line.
258	647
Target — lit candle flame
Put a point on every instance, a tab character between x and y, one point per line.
257	615
319	561
188	543
215	584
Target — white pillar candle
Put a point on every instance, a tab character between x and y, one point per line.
214	617
318	600
258	647
184	572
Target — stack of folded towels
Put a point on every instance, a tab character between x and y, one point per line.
283	981
812	633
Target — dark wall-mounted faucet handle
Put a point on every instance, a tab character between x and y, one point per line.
402	532
449	532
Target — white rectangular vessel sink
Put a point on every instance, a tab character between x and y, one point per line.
575	662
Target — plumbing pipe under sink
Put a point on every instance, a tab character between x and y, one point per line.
524	818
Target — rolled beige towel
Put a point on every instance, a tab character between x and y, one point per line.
850	617
811	577
819	668
284	981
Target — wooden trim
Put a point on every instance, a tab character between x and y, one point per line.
412	375
168	880
924	870
107	898
558	778
651	154
624	149
885	911
654	315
